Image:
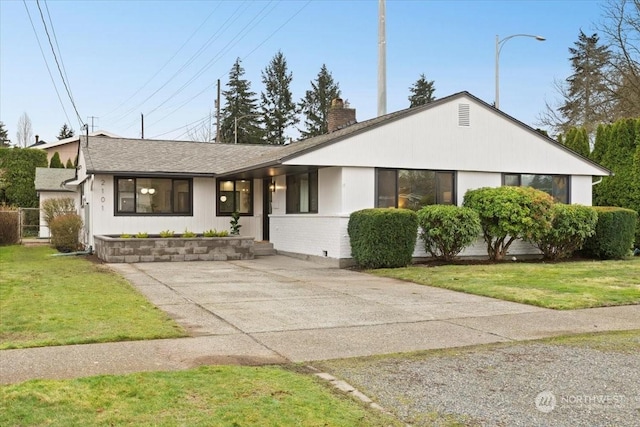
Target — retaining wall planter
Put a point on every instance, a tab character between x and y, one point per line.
156	249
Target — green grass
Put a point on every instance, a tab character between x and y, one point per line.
207	396
48	300
563	286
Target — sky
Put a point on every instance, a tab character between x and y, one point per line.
162	59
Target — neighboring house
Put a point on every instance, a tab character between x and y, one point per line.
299	196
49	184
66	148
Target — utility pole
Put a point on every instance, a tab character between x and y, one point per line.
382	60
142	124
93	128
218	115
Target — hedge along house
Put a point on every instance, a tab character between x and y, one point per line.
299	196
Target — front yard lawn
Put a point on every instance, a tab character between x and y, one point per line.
48	300
211	396
563	286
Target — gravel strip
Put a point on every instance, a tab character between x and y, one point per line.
530	384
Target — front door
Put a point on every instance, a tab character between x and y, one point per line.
267	197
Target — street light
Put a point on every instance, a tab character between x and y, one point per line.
499	44
235	125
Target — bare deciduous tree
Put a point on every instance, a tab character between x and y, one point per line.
24	132
621	27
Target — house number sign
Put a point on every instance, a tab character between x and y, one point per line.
102	198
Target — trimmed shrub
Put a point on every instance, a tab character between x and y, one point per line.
17	175
446	230
9	225
509	213
56	163
65	230
383	237
570	227
614	234
53	208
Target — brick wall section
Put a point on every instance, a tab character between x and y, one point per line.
117	250
339	117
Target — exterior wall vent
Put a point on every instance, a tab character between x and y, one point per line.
463	115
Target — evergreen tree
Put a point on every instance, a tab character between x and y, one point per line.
278	107
316	103
69	164
65	132
56	162
587	97
618	154
576	139
240	105
4	136
421	92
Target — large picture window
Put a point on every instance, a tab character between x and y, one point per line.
413	189
153	196
555	185
235	196
302	193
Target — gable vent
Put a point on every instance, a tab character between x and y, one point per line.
463	115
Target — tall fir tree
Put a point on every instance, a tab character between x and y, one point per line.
4	136
421	92
587	97
316	103
66	132
241	106
278	108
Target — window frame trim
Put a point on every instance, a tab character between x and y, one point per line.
308	173
454	197
552	175
116	212
223	214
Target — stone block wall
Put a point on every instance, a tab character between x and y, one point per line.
156	249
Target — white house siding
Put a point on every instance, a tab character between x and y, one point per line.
471	180
432	139
44	231
311	234
101	199
580	190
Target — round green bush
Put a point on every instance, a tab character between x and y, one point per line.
615	232
383	237
570	227
446	229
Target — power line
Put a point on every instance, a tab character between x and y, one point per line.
237	13
58	64
45	62
166	63
55	38
246	56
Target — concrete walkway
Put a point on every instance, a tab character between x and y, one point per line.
278	309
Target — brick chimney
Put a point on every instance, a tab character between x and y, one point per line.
339	116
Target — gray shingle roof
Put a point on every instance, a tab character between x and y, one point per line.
51	179
119	155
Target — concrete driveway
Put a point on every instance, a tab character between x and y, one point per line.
304	311
278	310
